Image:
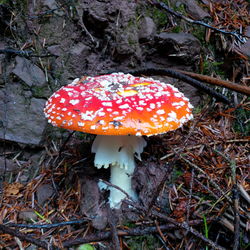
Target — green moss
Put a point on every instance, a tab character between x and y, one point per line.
160	17
40	91
241	123
177	29
129	224
199	33
244	245
197	109
181	9
145	242
210	67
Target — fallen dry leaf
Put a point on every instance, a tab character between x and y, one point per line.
12	188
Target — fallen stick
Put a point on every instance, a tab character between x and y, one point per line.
137	231
222	83
178	75
24	237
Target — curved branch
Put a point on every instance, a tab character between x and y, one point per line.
172	73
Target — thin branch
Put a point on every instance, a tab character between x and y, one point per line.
48	226
84	28
137	231
25	53
208	177
24	237
160	5
244	193
209	144
188	228
236	218
172	73
222	83
117	187
113	228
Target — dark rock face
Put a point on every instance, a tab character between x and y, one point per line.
21	115
182	47
7	165
28	72
147	29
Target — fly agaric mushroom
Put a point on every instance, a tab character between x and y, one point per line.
119	108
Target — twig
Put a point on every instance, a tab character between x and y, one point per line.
172	73
236	218
169	168
137	231
226	216
118	188
163	242
81	23
5	125
62	147
226	223
244	193
114	234
23	53
163	6
51	11
208	177
16	52
24	237
222	83
184	225
160	232
190	229
48	226
209	144
190	193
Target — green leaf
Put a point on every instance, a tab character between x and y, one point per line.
86	247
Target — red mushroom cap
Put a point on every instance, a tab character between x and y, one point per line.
118	104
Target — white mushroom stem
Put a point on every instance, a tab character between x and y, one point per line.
118	152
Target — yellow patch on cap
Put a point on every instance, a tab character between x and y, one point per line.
128	92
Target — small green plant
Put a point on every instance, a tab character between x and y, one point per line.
205	228
160	18
243	245
176	173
